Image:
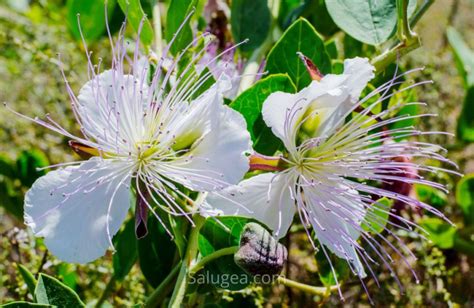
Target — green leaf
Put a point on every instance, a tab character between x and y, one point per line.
249	103
331	48
23	304
215	235
369	21
177	13
135	14
250	19
440	232
27	164
156	253
126	254
325	273
92	17
68	274
465	197
430	195
377	216
28	277
283	58
464	57
51	291
465	127
7	167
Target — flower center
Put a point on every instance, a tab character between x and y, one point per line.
145	152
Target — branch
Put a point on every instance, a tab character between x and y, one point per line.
216	254
407	40
322	291
155	298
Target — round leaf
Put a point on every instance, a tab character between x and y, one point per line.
369	21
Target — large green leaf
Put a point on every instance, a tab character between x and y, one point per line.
465	127
250	19
283	57
377	216
156	253
177	13
369	21
465	197
51	291
464	57
440	232
135	15
215	235
126	254
92	17
249	103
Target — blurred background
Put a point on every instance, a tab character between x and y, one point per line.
32	33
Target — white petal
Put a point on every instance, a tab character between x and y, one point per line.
335	95
282	112
334	226
111	107
359	72
321	104
264	197
64	207
218	159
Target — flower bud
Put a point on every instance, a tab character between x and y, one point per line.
259	252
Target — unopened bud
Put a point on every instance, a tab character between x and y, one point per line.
259	252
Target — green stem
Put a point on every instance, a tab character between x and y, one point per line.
155	298
408	40
323	291
420	12
191	252
157	29
216	254
108	288
403	27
